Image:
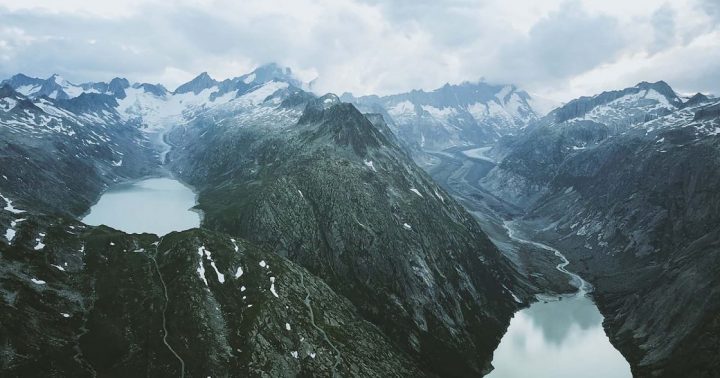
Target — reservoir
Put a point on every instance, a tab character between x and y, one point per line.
155	205
558	337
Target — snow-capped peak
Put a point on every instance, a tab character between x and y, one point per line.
59	80
198	84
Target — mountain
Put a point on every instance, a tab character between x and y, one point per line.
54	87
58	154
87	301
325	250
93	301
454	115
197	85
367	283
531	160
315	180
640	103
626	182
152	105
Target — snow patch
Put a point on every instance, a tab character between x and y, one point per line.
39	240
402	109
272	287
441	113
259	95
416	192
208	255
201	268
249	78
220	276
9	207
37	281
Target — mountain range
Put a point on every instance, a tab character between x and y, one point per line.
332	241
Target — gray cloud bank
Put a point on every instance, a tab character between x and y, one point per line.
558	48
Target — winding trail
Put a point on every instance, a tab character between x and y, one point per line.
312	321
164	319
583	286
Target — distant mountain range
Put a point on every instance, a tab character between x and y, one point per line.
456	115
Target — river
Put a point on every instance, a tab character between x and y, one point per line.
558	336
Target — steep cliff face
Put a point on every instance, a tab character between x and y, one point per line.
317	182
636	208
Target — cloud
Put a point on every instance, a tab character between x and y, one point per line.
712	8
567	42
363	46
663	23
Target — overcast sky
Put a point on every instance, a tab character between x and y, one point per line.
558	49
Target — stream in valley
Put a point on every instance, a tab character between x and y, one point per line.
559	335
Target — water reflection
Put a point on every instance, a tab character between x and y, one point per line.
158	205
559	339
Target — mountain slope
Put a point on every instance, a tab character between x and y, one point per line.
316	181
59	154
533	158
87	301
95	301
628	184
